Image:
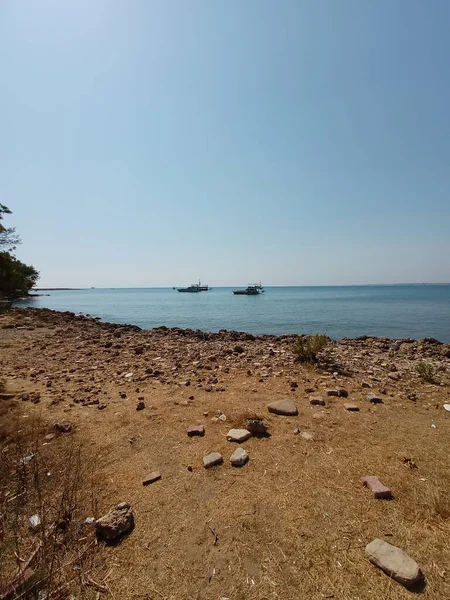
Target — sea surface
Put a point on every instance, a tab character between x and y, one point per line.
397	311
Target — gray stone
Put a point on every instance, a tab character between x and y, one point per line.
63	426
283	407
212	459
374	399
239	457
140	405
317	401
238	435
351	407
395	562
116	523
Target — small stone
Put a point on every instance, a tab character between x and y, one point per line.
364	384
320	415
342	393
63	426
332	392
35	523
155	476
296	431
49	437
140	405
222	417
116	523
374	399
193	430
394	562
317	401
380	491
212	459
102	406
307	436
351	407
4	396
238	435
283	407
256	426
215	420
239	457
123	395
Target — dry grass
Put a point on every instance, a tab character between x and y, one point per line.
292	523
56	482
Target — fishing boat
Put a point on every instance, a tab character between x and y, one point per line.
253	289
194	287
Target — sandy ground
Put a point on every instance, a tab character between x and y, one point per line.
293	522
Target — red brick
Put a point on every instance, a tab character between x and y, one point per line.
379	490
195	430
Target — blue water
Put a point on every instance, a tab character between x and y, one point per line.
402	311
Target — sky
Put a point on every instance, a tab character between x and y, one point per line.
152	143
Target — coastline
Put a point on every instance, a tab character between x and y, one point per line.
129	396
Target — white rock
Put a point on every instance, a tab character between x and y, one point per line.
447	407
238	435
239	457
394	561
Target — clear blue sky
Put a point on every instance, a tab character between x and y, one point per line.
148	143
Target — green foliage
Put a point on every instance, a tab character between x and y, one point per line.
8	237
426	371
306	348
16	278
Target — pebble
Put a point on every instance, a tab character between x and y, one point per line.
283	407
194	430
380	491
394	562
116	523
140	405
35	523
317	401
212	459
296	431
351	407
238	435
374	399
239	457
154	476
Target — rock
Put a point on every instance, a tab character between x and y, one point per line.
193	430
380	491
332	392
307	436
351	407
140	405
239	457
35	523
317	401
283	407
447	407
374	399
118	522
63	426
4	396
364	384
102	406
155	476
296	431
49	437
212	459
394	562
238	435
256	426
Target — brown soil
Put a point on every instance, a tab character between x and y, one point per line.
293	522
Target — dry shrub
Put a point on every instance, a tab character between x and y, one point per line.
307	348
426	372
432	505
57	482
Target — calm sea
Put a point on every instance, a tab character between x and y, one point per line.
401	311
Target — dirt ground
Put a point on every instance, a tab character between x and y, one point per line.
292	523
